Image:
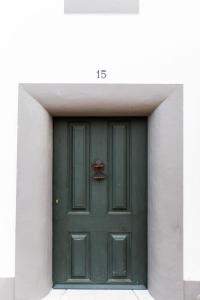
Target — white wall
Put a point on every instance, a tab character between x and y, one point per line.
38	43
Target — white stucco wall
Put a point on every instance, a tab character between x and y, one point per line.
41	44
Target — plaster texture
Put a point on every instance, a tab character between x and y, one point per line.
101	6
100	99
192	290
163	105
7	288
33	274
165	199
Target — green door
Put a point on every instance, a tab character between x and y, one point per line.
100	203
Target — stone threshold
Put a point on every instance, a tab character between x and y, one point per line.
98	295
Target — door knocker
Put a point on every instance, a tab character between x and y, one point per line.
98	167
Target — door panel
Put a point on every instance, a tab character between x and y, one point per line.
100	226
119	166
119	257
79	159
79	256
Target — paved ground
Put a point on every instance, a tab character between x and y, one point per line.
97	295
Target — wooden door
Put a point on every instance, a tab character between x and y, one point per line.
100	203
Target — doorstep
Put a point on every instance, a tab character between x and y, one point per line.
97	295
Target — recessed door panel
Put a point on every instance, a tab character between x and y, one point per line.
100	203
119	166
79	166
79	256
119	257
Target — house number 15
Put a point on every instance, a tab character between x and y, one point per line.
101	74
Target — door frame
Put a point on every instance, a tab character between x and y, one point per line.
163	106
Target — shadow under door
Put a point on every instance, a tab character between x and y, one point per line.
100	203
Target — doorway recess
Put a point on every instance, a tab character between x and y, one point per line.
38	103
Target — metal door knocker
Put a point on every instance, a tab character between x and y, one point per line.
98	166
